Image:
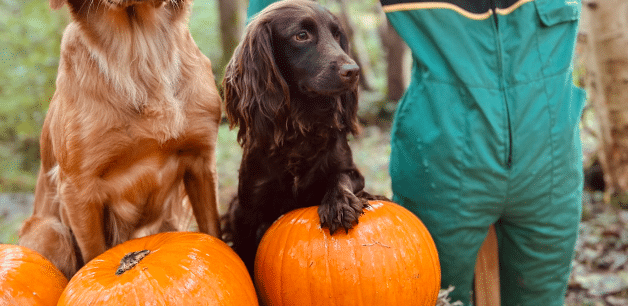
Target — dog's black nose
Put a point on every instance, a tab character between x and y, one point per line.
349	72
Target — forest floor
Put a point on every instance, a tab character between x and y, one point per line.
600	267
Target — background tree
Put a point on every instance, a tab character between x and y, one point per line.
29	55
396	50
605	27
358	50
232	19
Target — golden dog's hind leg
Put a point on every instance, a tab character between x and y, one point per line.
50	238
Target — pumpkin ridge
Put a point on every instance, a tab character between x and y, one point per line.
432	253
235	267
296	228
157	291
279	268
397	255
310	260
305	230
227	258
364	237
355	241
381	210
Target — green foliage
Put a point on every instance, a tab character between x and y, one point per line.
8	230
29	55
205	28
371	151
228	157
28	60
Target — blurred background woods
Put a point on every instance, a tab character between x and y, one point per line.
30	35
29	54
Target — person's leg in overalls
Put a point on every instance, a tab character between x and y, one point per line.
488	133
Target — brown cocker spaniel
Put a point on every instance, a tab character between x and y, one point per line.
292	89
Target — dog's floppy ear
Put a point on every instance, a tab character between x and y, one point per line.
56	4
256	95
349	103
349	100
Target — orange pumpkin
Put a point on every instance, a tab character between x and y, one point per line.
27	278
388	258
176	268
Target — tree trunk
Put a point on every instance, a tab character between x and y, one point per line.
358	50
232	18
606	28
395	49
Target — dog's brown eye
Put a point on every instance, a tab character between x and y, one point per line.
302	36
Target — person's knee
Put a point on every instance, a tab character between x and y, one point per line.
534	265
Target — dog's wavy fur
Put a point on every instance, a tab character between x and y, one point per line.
127	146
292	90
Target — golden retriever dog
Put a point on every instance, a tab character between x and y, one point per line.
130	134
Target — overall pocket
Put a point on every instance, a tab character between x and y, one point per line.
558	25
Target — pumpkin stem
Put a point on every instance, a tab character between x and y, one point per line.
130	260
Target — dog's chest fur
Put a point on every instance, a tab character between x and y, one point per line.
135	111
137	58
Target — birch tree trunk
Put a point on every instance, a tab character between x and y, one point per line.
606	28
358	50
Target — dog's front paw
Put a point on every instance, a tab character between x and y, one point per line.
371	197
340	208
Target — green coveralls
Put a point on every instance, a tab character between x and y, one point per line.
488	133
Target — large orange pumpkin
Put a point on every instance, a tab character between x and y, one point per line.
27	278
178	268
388	258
